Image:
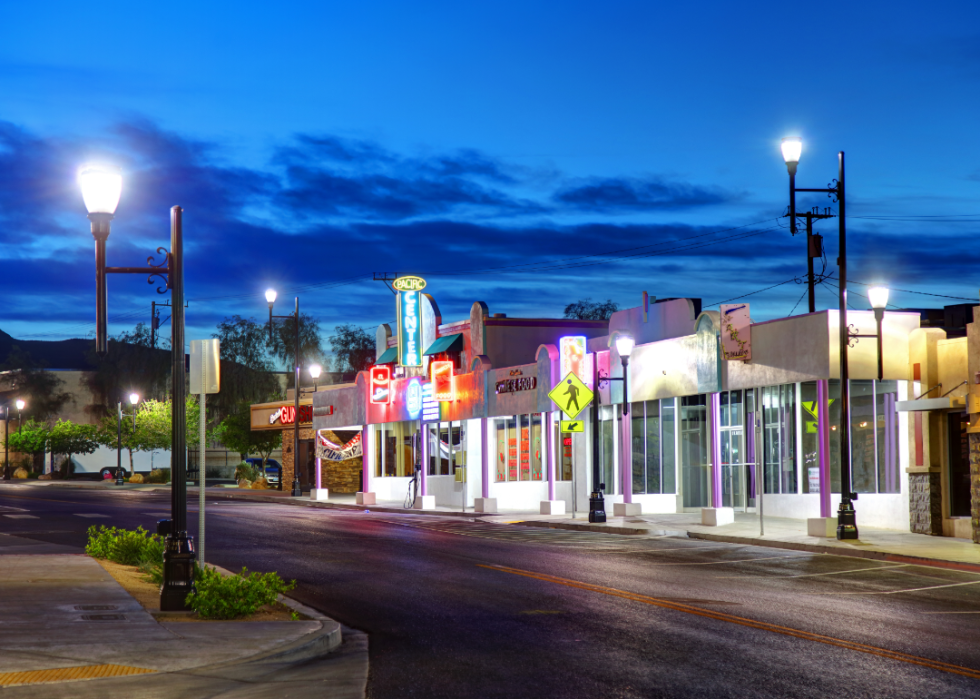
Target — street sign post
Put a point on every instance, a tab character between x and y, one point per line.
205	378
572	426
571	395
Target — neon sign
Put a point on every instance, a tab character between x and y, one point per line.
287	414
430	408
409	329
573	358
380	385
408	284
441	373
413	398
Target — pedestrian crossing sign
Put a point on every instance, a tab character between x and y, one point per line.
572	426
571	395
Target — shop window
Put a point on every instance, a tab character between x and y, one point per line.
519	448
563	450
396	448
735	471
446	452
652	437
694	451
779	432
607	447
535	447
501	460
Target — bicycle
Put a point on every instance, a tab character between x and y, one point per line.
413	488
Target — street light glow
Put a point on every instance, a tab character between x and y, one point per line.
101	188
315	370
878	295
20	405
134	398
624	345
792	147
270	295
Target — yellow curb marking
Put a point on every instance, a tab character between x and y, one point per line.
742	621
68	674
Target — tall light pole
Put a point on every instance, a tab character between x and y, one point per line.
6	435
792	149
101	188
270	296
134	399
878	295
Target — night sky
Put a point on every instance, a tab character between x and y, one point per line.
526	154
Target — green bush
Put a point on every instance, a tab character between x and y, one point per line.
235	596
158	475
245	471
132	548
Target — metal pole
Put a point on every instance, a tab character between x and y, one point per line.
178	555
6	446
809	263
846	517
100	231
879	317
297	488
597	506
792	198
201	470
153	324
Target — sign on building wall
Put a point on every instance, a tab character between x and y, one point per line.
381	385
409	328
430	408
736	339
574	359
442	381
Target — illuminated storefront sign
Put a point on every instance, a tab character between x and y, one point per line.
286	415
525	383
574	359
380	385
408	284
736	327
441	373
413	398
409	328
430	408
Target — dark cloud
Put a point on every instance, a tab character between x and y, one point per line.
619	194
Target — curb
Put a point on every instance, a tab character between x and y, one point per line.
326	505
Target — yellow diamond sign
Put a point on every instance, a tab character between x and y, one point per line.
571	395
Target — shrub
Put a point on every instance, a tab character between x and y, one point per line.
219	597
158	475
131	548
246	472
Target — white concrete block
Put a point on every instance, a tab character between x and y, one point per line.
627	509
366	498
552	507
425	502
824	527
484	504
717	516
319	493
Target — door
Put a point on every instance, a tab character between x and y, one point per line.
959	465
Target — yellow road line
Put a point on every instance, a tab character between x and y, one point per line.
69	674
742	621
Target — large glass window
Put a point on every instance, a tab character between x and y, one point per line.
446	451
886	419
563	442
694	451
731	434
652	437
779	432
519	448
607	449
395	448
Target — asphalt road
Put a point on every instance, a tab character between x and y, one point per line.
459	608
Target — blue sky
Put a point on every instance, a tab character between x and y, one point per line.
515	152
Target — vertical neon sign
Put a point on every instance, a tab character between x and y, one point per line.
442	381
409	329
413	398
380	385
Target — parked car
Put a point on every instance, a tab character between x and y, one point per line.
272	468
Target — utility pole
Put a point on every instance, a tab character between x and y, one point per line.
385	278
814	247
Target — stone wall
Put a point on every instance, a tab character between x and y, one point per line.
341	476
925	503
287	453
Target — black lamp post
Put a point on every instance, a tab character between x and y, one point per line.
133	399
101	188
6	434
270	296
792	148
624	347
878	295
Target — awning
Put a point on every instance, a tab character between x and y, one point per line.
389	356
446	343
922	404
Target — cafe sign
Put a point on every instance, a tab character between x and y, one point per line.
524	383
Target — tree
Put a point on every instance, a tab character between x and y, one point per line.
154	420
246	370
131	364
235	432
244	342
41	389
587	309
283	344
353	349
69	439
31	438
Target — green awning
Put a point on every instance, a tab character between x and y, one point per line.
389	356
446	343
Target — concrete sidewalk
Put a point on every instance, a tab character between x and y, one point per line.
64	619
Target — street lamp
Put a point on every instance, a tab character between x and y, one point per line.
134	399
101	188
878	295
624	346
6	434
792	148
315	371
270	296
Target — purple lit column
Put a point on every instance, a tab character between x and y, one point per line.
549	450
485	458
368	449
424	439
626	464
823	449
715	436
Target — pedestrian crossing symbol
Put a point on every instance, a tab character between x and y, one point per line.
572	426
571	395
